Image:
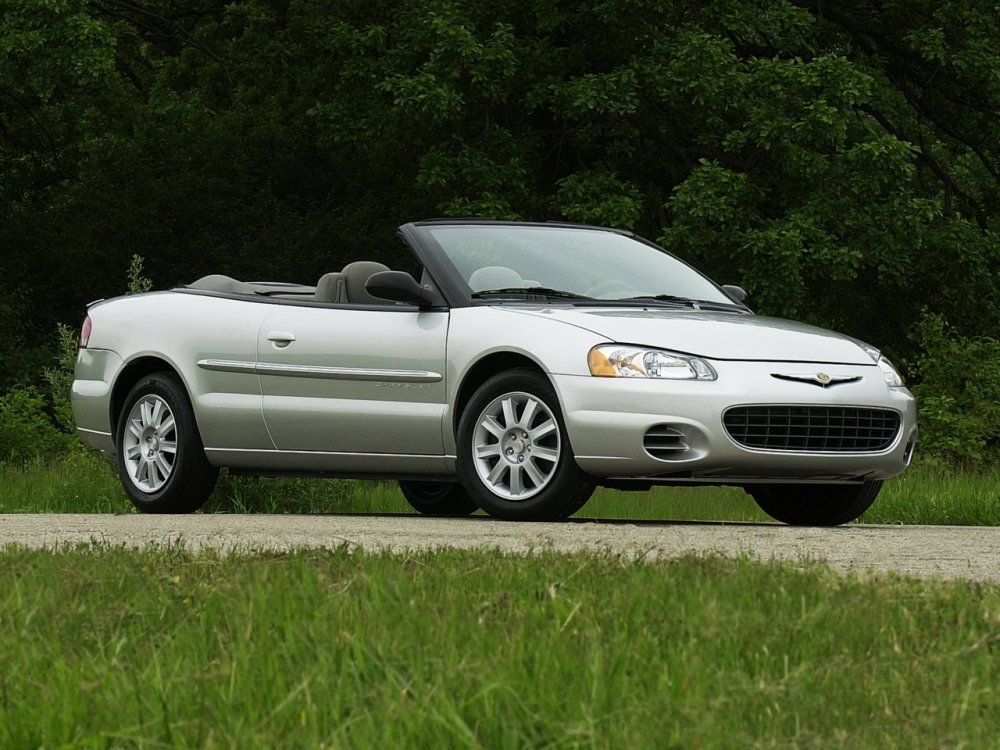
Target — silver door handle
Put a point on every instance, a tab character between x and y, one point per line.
281	338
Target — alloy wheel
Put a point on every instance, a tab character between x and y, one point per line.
150	443
516	445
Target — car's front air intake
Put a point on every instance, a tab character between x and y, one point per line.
664	441
813	429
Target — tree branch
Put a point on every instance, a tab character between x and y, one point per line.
931	163
124	8
53	150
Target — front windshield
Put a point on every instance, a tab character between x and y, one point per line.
585	262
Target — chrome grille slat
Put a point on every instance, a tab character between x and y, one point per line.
816	429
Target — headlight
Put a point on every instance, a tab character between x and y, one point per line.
618	361
892	377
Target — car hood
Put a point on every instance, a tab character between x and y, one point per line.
710	334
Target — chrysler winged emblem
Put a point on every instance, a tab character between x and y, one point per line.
822	379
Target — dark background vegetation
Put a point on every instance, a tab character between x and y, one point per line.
840	160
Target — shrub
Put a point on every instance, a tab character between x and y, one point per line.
138	282
958	394
26	429
59	379
38	423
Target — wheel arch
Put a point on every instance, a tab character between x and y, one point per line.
131	374
483	370
553	493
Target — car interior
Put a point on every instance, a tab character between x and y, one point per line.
344	287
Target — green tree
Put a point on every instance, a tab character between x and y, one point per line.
838	160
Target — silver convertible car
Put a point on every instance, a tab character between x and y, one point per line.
518	367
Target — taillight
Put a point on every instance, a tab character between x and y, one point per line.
85	332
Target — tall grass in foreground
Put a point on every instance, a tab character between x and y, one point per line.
84	483
108	648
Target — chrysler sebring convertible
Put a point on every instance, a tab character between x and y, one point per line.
511	367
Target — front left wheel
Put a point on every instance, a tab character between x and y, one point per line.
161	459
514	457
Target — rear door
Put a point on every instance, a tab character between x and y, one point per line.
354	380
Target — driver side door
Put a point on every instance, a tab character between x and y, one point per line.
348	385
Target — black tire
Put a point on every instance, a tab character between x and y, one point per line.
438	498
543	453
815	504
153	481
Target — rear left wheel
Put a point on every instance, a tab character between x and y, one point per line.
815	504
161	459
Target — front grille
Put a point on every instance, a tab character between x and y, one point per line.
817	429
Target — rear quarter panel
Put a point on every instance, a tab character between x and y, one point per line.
180	329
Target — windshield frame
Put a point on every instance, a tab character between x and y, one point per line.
458	293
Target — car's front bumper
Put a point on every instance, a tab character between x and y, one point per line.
607	420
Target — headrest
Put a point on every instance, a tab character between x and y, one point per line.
330	288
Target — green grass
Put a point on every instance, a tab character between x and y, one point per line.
936	496
84	483
161	648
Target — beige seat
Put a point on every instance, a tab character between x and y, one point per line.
331	288
356	275
494	277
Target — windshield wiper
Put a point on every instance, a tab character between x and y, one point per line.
538	291
697	304
664	298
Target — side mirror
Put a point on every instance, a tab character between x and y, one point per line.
737	293
398	286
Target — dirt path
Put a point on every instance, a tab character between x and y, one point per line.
943	551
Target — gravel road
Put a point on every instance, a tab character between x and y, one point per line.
971	553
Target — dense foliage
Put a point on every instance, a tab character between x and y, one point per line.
839	160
